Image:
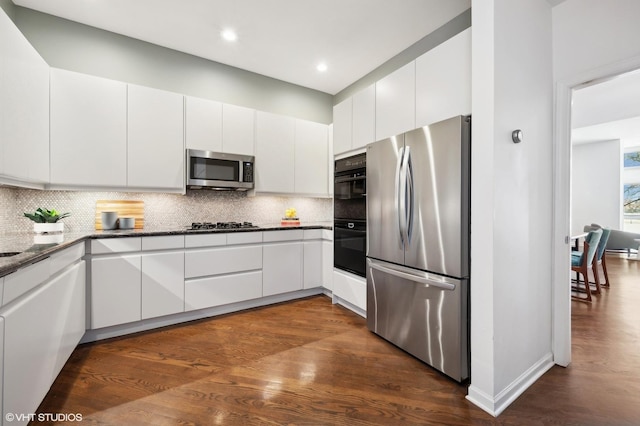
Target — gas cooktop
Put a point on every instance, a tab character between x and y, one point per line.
222	225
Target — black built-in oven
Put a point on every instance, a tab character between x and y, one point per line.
350	214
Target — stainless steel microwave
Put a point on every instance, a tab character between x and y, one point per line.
219	170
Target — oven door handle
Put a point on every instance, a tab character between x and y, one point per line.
344	179
350	227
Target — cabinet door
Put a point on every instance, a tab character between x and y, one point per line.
395	102
443	81
342	126
282	268
274	153
155	139
312	264
24	107
311	158
327	265
162	284
364	117
88	130
203	124
238	130
41	331
115	290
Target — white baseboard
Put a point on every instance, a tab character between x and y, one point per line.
496	405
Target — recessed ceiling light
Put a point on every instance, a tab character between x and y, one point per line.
229	35
322	67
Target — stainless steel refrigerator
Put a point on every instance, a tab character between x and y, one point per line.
418	213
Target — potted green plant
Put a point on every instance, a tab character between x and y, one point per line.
46	221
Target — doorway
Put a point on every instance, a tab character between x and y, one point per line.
565	91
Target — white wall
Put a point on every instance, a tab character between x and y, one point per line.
590	33
511	199
592	39
596	195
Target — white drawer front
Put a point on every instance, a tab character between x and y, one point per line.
163	242
25	279
244	238
217	291
288	235
224	260
327	234
115	245
350	288
205	240
313	234
66	257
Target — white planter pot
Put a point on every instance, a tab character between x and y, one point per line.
48	228
48	238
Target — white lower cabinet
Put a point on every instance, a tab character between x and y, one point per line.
221	290
282	268
162	284
351	289
327	264
41	330
222	275
312	271
115	290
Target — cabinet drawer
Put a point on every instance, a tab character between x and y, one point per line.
205	240
327	234
291	235
116	245
313	234
66	257
350	288
224	260
222	290
25	279
244	238
163	242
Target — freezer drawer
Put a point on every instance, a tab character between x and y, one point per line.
424	314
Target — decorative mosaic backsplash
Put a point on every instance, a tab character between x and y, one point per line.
161	210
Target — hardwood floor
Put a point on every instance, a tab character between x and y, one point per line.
310	362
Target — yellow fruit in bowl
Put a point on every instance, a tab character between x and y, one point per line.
289	213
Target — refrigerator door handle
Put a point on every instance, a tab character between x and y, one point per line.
402	211
400	201
409	194
421	278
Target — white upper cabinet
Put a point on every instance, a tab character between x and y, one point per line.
155	139
311	158
238	130
364	117
203	124
88	130
443	80
24	107
275	140
395	102
342	126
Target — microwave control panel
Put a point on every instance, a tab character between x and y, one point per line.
247	169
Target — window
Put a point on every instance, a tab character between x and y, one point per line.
631	191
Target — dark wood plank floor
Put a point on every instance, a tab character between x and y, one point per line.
311	363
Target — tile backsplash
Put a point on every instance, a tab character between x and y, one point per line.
161	210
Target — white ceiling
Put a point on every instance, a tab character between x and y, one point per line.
608	110
283	39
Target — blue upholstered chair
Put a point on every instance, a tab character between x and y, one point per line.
582	261
601	259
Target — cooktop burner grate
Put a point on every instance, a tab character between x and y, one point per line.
222	225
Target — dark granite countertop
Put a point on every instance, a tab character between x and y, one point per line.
31	250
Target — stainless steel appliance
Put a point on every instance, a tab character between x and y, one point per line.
418	205
195	226
218	170
350	214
